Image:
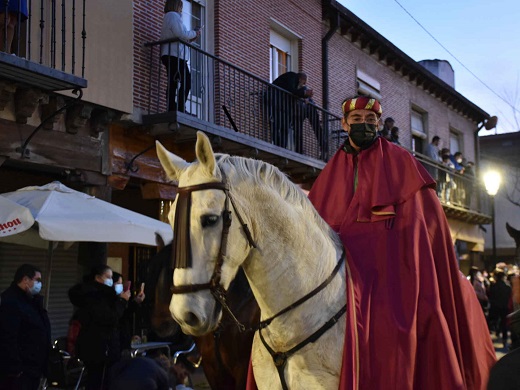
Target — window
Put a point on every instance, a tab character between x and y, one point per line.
418	125
280	55
455	142
193	16
283	50
368	85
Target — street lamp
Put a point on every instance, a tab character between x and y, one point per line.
492	181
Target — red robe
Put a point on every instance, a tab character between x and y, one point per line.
420	325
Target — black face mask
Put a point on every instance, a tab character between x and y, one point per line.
362	134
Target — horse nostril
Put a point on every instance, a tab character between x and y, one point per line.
191	319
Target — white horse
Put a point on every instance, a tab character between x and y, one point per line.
296	254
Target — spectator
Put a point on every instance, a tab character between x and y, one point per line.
175	56
12	12
469	182
284	107
25	332
457	159
125	323
99	312
446	183
477	281
499	295
140	373
433	153
387	128
394	135
306	109
419	326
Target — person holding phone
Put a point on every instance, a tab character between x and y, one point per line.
123	290
99	310
175	56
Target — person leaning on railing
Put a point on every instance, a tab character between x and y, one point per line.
175	56
11	11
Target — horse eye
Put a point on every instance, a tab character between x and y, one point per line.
209	220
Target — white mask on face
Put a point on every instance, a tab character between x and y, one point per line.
108	282
36	288
119	288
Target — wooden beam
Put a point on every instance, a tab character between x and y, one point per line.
158	191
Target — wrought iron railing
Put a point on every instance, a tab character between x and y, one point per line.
460	190
221	93
48	32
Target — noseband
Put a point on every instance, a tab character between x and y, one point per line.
181	256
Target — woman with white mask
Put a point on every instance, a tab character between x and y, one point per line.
99	312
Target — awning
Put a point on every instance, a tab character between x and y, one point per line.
470	233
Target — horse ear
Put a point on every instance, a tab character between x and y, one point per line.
205	153
172	164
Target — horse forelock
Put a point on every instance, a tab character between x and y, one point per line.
263	174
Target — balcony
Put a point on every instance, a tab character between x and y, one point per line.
48	48
462	196
243	114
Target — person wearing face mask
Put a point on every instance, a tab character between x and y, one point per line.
417	315
125	322
25	332
99	310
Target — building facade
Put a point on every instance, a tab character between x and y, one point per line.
103	143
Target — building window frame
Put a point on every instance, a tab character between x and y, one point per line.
283	50
456	137
367	85
419	129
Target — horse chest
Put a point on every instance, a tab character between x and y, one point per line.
317	366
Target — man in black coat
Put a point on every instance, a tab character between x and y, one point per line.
284	109
25	332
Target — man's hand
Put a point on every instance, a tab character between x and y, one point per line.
308	92
139	298
125	295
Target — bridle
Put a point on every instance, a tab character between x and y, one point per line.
181	258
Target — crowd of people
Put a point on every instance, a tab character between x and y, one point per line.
499	295
101	336
452	172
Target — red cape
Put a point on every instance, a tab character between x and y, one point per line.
419	323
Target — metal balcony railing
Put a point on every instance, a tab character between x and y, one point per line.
222	94
461	191
41	40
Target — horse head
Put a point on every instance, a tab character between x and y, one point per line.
204	264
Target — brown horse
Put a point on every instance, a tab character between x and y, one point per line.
225	352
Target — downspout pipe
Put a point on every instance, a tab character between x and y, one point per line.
325	56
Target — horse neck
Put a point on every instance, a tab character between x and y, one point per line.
294	255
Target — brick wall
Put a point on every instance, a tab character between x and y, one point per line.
148	16
241	36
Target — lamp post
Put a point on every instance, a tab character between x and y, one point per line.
492	181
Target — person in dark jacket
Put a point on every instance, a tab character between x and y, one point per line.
125	322
25	332
99	312
283	107
499	295
141	373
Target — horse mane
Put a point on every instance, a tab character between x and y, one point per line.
268	175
